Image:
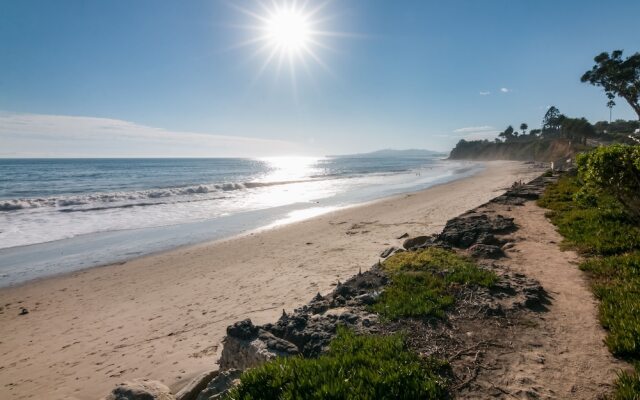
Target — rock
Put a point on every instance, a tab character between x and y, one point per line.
348	317
485	251
501	224
193	389
388	251
141	389
509	200
220	385
23	311
367	298
242	330
404	235
416	242
488	238
471	228
346	291
248	352
278	345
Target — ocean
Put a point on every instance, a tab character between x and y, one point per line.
62	215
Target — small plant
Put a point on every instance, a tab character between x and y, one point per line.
422	283
356	367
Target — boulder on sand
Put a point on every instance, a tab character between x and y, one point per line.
141	389
417	242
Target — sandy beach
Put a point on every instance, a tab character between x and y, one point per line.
163	316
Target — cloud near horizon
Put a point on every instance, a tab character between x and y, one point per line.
44	135
505	90
476	132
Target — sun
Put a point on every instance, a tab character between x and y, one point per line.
289	33
288	30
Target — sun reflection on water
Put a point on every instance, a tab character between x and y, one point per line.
283	169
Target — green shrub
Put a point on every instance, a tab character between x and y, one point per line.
356	367
422	283
614	169
597	225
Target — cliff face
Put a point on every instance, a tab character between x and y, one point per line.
536	150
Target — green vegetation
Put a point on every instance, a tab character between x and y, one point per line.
423	283
616	170
616	283
593	220
596	225
356	367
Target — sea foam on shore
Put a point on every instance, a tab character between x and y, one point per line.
64	215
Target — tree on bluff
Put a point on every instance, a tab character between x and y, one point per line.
617	76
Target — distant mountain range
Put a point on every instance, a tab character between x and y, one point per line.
386	153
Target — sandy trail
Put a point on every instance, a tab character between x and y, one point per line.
163	316
561	355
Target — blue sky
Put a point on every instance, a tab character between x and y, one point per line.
168	78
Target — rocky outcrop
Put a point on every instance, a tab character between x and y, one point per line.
520	192
307	331
534	149
220	385
141	389
475	228
247	346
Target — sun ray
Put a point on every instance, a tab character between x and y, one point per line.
288	33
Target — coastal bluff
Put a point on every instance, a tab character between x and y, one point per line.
539	150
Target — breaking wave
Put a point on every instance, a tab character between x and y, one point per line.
102	201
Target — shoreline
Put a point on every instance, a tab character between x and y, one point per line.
33	262
90	329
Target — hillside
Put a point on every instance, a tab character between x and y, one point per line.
387	153
533	150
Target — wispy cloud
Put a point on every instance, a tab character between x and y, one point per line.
485	93
42	135
469	129
505	90
476	132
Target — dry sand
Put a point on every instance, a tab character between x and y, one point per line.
163	316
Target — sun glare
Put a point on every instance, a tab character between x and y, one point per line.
288	33
288	30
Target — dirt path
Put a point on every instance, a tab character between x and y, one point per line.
559	353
